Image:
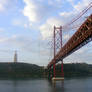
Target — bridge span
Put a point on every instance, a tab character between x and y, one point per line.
81	37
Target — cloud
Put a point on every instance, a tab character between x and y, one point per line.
20	23
39	10
77	8
47	28
67	14
16	22
3	4
30	10
19	41
66	37
82	4
84	54
1	29
63	18
56	3
2	40
22	42
7	39
34	10
6	4
27	48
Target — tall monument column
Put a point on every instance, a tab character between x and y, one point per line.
15	57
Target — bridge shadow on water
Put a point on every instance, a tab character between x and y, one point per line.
58	86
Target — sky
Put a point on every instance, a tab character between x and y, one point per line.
27	26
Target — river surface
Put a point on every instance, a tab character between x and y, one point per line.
43	85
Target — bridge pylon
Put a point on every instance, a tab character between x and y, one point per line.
57	39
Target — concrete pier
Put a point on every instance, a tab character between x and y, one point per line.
57	79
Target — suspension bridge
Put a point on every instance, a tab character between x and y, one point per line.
81	37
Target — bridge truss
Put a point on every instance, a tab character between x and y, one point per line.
80	38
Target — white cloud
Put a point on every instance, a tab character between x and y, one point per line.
56	3
70	16
2	40
82	4
20	23
30	10
39	10
47	28
1	29
81	55
7	39
67	14
5	4
81	51
16	22
71	2
22	42
34	10
77	8
66	37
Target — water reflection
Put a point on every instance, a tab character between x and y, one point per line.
58	86
43	85
14	86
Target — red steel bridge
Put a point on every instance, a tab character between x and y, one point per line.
80	38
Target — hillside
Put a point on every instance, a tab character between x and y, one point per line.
20	70
74	70
25	70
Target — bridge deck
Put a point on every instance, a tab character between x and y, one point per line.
80	38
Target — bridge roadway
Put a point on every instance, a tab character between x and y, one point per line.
81	37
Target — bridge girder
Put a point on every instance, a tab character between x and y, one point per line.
81	37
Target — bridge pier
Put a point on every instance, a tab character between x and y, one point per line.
54	36
54	68
50	75
62	72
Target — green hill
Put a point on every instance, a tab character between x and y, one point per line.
73	70
20	70
25	70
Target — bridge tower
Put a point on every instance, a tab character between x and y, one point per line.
57	38
15	57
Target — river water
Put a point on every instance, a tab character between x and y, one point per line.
43	85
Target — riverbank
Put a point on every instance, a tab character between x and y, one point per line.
74	70
20	70
26	71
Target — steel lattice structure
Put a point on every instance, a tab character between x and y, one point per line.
81	37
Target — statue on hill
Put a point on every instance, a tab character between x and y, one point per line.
15	57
